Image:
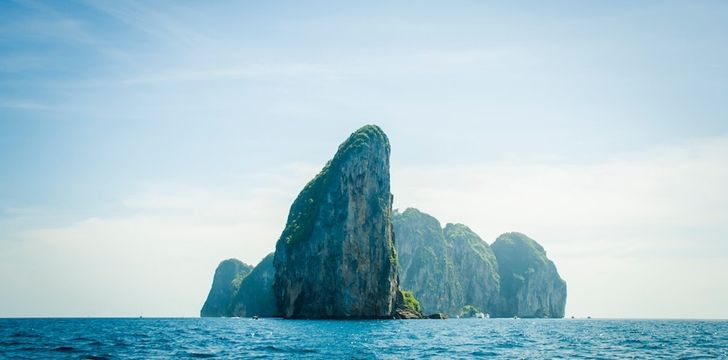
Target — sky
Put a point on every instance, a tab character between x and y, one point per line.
141	143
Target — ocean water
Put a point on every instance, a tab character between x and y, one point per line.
276	338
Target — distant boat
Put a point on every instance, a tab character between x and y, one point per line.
572	316
255	317
480	315
588	317
516	317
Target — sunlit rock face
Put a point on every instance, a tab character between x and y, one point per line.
336	256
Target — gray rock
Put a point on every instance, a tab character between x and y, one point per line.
437	316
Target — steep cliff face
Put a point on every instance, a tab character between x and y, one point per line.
446	269
530	284
425	265
476	266
225	284
336	257
255	294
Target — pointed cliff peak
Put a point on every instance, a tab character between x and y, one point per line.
369	143
367	136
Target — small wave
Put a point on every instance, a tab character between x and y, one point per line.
10	343
65	349
24	334
201	355
274	348
87	341
483	353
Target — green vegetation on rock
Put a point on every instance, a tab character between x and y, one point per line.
469	311
410	302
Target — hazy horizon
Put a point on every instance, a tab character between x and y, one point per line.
141	144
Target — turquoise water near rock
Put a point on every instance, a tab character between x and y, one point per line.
103	338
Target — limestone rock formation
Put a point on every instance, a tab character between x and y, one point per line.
452	270
336	256
228	276
530	284
445	268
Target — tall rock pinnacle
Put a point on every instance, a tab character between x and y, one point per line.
336	257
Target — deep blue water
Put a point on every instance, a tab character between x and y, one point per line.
454	338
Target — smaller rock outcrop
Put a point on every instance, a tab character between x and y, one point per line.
437	316
530	285
255	294
407	306
225	284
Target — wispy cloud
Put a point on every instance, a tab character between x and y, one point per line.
24	104
159	20
232	72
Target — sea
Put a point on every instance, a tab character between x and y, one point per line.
245	338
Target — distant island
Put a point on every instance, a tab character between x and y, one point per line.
345	254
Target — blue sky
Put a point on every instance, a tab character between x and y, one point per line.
598	128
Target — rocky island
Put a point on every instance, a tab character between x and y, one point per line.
343	252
